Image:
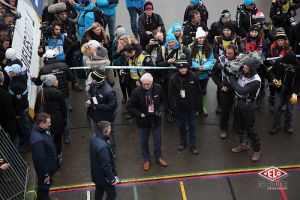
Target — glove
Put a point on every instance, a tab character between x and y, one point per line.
294	99
277	83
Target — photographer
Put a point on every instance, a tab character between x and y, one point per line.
154	45
225	92
246	88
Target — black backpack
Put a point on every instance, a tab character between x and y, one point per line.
99	16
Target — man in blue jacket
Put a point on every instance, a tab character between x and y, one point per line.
102	163
44	154
135	7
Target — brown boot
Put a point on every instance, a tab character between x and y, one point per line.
256	156
162	162
240	147
146	166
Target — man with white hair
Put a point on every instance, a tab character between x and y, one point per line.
146	104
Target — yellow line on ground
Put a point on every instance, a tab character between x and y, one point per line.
152	178
182	191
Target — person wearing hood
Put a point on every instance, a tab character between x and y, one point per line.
227	37
63	75
101	102
217	27
148	22
246	87
285	75
190	27
51	101
86	18
202	62
246	16
200	7
176	29
44	155
184	91
109	8
170	53
146	104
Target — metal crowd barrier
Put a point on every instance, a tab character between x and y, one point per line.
13	181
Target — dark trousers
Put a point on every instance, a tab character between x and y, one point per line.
187	117
110	191
57	138
43	190
144	139
226	106
245	117
125	85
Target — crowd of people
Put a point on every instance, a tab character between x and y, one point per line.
161	72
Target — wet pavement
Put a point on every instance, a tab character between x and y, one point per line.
216	173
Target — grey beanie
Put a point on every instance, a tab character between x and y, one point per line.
48	79
101	53
120	31
252	63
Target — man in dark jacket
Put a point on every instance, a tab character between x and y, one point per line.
101	102
149	22
285	75
63	75
246	88
49	17
190	27
146	104
183	97
44	155
103	169
200	7
8	114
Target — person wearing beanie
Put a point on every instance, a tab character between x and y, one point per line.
246	86
278	48
10	55
3	30
101	103
253	42
285	74
202	62
85	18
51	101
183	92
146	104
200	7
135	8
227	37
190	27
147	23
217	27
176	29
246	17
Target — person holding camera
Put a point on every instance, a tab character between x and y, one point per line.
146	104
184	94
154	45
246	87
226	92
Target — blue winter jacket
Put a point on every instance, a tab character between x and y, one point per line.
135	3
102	164
108	9
44	154
206	63
86	22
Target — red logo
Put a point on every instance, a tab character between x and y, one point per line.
272	173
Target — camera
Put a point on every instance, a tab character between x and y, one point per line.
46	30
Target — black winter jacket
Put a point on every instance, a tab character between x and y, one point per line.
190	84
62	73
44	153
18	90
138	104
246	20
105	110
103	169
200	8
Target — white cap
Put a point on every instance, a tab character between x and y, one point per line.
93	44
50	53
10	53
200	32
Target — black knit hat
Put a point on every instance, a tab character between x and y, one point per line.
254	27
98	75
182	62
280	34
229	26
289	58
148	5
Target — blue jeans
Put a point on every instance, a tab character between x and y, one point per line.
188	117
133	19
144	138
111	22
23	123
281	100
67	131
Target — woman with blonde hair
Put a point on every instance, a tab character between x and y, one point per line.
96	32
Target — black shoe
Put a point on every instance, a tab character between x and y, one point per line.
274	129
181	147
194	150
289	130
218	110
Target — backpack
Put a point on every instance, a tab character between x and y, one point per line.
99	16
